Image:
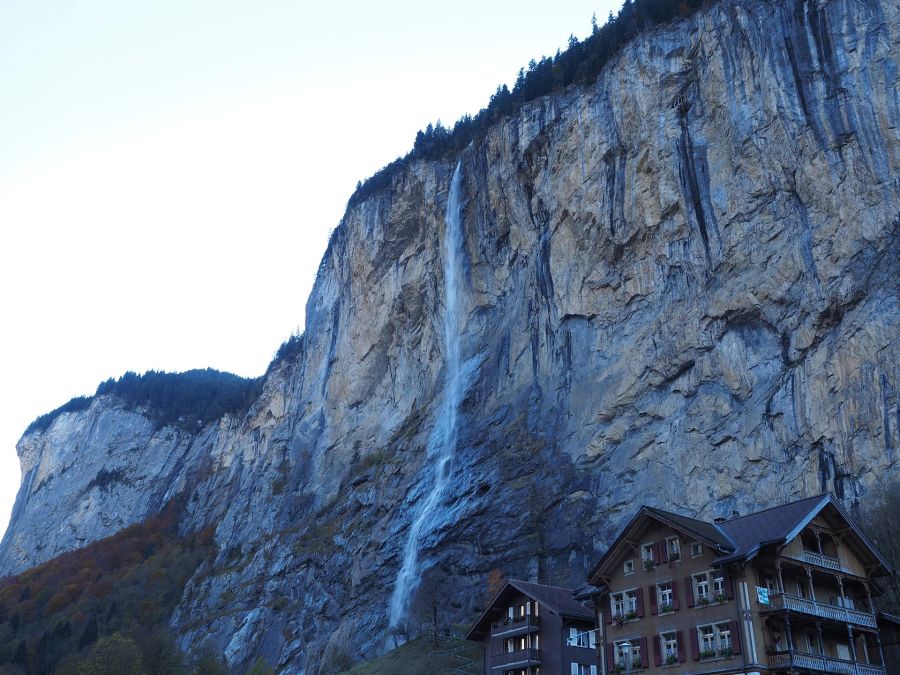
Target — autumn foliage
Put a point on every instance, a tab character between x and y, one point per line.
128	583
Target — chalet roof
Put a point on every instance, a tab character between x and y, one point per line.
708	533
781	524
741	538
770	526
557	599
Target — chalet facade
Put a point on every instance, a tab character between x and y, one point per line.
533	629
786	590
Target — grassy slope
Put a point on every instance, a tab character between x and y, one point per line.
421	657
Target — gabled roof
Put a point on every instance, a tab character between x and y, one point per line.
557	599
741	538
781	524
707	533
776	525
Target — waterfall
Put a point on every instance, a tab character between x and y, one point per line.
442	441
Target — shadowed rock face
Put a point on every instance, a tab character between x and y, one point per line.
680	289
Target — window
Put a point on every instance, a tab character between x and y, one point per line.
696	549
624	604
707	638
625	649
812	645
647	553
718	587
846	601
701	588
518	613
582	637
714	640
520	642
673	548
664	597
581	669
670	647
724	631
629	567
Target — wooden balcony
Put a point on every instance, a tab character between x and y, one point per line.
817	559
515	626
821	610
521	658
822	664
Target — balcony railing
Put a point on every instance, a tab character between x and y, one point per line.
518	624
822	664
820	560
822	610
521	657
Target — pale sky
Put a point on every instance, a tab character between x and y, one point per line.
170	170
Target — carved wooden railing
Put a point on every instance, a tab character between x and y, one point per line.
820	560
822	664
822	610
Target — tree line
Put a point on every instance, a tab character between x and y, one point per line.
580	63
187	400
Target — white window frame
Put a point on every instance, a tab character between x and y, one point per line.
582	638
664	596
669	641
723	636
635	652
628	567
673	548
583	669
706	637
631	600
718	584
717	639
696	549
702	587
647	552
623	602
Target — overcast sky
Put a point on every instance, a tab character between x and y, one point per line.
170	170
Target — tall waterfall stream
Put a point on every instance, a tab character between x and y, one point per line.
442	442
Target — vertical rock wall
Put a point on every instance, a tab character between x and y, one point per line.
681	288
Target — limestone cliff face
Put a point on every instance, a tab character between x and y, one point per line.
680	288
